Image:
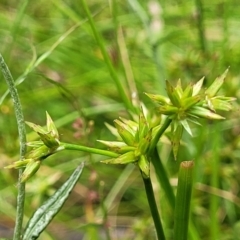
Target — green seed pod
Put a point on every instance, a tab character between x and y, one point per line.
49	140
219	104
188	91
144	144
51	127
173	95
204	113
144	166
118	147
190	101
178	89
39	153
124	132
36	128
168	110
125	158
216	85
130	125
143	125
31	168
162	100
19	164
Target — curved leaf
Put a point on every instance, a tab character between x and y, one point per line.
44	215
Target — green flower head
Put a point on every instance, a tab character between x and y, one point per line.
188	105
134	141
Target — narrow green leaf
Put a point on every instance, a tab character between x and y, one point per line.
186	126
44	215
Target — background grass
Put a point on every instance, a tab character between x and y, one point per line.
50	49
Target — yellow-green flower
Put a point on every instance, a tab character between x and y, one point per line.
188	105
48	145
134	141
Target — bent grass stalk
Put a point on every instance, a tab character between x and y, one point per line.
22	140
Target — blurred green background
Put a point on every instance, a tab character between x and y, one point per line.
53	55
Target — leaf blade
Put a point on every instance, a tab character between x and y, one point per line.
43	216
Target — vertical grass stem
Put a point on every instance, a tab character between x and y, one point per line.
153	208
22	139
183	199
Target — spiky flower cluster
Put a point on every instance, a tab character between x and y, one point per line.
48	145
188	105
135	141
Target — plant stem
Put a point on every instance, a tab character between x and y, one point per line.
69	146
163	178
153	207
214	180
22	139
159	134
183	198
107	60
200	25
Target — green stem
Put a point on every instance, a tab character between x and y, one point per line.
158	165
69	146
200	25
153	208
214	181
183	199
159	134
106	57
22	139
163	178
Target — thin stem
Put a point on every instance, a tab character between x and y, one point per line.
69	146
200	25
106	57
153	208
214	179
158	165
22	139
159	134
163	178
183	199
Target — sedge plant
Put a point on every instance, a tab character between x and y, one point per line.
137	141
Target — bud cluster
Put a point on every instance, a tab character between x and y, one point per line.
41	149
188	105
135	141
